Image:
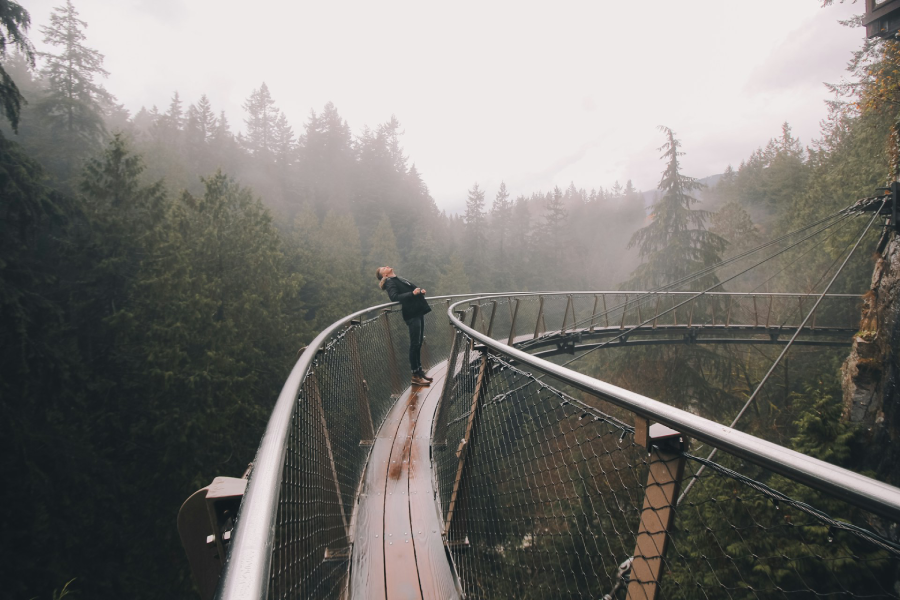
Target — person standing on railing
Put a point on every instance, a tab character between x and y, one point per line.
414	307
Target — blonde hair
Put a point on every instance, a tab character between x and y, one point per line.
381	278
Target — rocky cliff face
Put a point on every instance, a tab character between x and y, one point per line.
871	374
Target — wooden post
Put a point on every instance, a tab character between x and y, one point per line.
512	325
540	318
366	427
475	310
312	387
569	305
439	429
490	326
755	313
468	439
594	312
605	312
658	298
658	514
393	368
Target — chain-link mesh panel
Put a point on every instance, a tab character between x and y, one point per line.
345	397
742	532
541	494
545	495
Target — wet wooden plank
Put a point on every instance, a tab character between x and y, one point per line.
400	571
435	577
367	570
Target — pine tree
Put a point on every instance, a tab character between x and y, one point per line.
676	241
14	24
382	251
454	279
262	116
501	211
476	234
74	102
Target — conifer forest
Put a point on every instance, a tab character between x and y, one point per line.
160	269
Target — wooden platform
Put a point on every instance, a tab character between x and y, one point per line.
398	549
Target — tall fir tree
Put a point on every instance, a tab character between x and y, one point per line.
14	24
676	241
74	100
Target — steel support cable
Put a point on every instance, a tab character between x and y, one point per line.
692	298
841	214
699	294
784	350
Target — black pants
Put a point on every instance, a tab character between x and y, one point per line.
416	337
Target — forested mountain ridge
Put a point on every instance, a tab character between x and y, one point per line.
159	272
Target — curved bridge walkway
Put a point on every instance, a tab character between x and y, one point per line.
398	549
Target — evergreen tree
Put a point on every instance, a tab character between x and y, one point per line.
476	234
73	103
676	241
262	116
382	251
501	211
14	24
454	279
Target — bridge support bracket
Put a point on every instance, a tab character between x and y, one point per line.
666	447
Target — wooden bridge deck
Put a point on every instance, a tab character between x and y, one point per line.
398	547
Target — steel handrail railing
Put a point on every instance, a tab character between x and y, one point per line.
247	568
867	493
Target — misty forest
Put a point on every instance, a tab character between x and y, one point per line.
161	269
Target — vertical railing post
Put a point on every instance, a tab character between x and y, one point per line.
363	406
512	324
393	368
674	311
594	313
490	327
569	306
605	311
755	313
656	310
476	308
624	310
540	318
666	469
468	440
728	313
769	312
439	433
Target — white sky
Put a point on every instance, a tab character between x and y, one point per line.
535	94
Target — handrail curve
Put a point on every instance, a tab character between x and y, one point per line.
873	495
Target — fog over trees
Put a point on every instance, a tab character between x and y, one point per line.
160	270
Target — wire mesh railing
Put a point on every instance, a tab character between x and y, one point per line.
543	493
294	533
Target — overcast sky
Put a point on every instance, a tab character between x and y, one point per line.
535	94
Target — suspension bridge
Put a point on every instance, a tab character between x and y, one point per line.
514	475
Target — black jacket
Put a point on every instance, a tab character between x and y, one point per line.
400	290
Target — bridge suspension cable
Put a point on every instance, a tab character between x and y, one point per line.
787	347
835	218
702	293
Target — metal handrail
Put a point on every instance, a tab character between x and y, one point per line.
872	495
246	571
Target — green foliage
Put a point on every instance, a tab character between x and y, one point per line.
14	24
676	241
